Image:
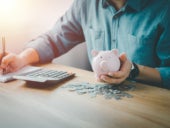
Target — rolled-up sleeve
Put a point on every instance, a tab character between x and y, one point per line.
66	33
163	49
165	74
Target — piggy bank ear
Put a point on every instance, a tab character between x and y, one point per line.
115	51
94	52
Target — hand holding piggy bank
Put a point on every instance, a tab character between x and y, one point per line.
105	61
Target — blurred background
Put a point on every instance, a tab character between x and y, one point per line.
22	20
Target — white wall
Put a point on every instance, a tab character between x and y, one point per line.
23	20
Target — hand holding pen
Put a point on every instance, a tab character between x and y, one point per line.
11	62
3	52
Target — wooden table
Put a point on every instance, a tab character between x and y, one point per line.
22	106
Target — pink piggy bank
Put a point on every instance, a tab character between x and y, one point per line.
105	61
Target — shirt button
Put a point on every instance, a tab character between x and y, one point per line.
115	16
114	40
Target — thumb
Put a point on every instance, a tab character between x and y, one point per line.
2	56
7	60
123	57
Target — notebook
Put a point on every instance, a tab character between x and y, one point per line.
37	75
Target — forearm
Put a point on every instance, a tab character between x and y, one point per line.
149	74
29	56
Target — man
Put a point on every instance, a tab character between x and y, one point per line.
139	29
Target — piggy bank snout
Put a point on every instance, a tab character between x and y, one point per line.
104	65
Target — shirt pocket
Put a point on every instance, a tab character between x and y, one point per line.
141	49
96	38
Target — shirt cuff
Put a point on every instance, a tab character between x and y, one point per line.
165	75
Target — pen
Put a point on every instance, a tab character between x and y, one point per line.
3	51
3	47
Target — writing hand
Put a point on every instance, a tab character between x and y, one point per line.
11	62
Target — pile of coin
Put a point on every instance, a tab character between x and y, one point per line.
107	90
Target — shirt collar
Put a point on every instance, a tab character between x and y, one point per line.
134	4
105	3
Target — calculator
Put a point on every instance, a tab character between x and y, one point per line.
44	76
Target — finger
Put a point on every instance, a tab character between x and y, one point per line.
9	69
7	60
1	71
112	80
118	74
126	64
1	55
98	79
123	57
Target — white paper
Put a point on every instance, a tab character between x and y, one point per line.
9	76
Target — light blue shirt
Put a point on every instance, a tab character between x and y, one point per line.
141	29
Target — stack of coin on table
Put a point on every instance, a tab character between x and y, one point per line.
108	91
